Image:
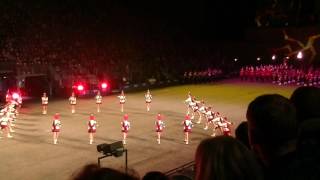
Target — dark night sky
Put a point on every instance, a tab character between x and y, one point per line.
195	20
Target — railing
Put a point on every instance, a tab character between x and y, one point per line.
180	168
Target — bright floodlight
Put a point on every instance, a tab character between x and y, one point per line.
104	85
80	87
273	57
258	58
299	55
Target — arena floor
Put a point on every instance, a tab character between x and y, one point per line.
30	154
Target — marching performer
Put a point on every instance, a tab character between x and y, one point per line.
122	99
73	102
125	127
224	126
11	112
194	104
92	128
202	111
187	126
148	97
98	100
188	101
159	127
44	100
4	123
210	115
56	126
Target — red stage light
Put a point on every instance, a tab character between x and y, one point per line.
104	85
80	87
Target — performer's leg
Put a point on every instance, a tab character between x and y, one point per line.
159	136
148	106
213	131
187	134
9	126
54	138
206	127
73	109
8	132
199	120
57	136
90	138
124	138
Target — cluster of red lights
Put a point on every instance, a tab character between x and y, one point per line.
81	87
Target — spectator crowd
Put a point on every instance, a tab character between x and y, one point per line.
281	74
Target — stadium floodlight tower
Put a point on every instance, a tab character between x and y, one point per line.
115	149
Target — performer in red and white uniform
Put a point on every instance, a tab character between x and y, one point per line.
98	100
202	111
210	115
148	97
224	126
56	126
4	123
216	123
92	128
11	110
187	126
45	101
122	100
188	101
73	102
125	124
159	127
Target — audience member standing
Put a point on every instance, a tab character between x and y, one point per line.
225	158
272	132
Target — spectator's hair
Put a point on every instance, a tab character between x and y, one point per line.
94	172
241	133
307	102
225	158
155	175
180	177
271	120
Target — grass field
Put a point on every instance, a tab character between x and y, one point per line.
30	154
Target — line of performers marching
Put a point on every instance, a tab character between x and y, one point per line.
8	115
194	107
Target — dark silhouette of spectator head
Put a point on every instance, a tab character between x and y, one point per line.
155	175
307	102
241	133
272	127
94	172
225	158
